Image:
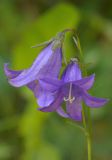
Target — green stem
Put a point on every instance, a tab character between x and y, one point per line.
87	134
83	118
89	147
89	122
88	128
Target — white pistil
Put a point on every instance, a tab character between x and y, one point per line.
70	98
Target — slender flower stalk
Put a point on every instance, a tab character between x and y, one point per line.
87	134
88	130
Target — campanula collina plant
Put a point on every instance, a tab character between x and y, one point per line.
43	78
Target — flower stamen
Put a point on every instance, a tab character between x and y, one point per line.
70	98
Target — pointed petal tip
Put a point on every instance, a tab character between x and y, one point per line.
62	113
6	64
103	101
11	74
94	101
6	68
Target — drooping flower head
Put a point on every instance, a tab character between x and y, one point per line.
72	89
48	63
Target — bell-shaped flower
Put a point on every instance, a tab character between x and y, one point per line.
72	89
48	63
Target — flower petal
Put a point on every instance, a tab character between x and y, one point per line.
86	83
72	72
50	84
54	105
53	66
94	101
10	73
62	113
28	75
45	98
33	85
74	109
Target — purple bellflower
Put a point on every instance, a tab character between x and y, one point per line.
48	63
72	89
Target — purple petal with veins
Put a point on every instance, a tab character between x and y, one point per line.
53	65
86	83
50	84
72	72
74	109
53	107
93	101
29	75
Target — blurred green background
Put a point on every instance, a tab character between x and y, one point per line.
25	133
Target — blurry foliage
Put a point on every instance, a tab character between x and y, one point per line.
25	133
